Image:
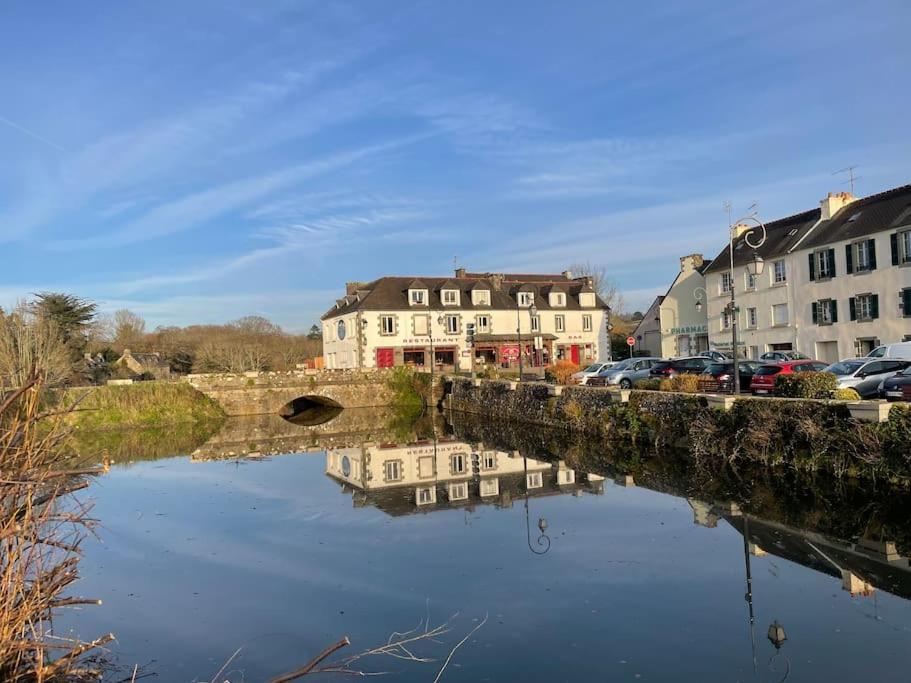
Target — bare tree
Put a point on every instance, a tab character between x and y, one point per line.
605	286
129	329
29	341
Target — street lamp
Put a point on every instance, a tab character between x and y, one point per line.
543	540
754	267
532	314
440	320
533	310
699	294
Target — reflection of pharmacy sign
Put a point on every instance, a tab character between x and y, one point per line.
690	329
509	353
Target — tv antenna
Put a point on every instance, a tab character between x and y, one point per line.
727	210
851	177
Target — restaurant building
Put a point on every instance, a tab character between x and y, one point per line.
403	321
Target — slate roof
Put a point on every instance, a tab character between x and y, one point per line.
391	294
884	211
781	236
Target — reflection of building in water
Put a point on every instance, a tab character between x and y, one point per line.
401	479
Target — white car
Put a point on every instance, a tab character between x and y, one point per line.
582	376
899	350
866	375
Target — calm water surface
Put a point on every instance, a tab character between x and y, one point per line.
283	555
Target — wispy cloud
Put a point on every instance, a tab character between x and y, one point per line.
32	134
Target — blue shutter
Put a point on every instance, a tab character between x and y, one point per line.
849	258
832	263
812	266
872	246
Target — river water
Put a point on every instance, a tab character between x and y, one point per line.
557	563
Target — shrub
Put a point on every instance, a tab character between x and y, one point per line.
560	371
845	395
686	384
806	385
649	384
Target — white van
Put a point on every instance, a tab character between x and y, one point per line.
899	350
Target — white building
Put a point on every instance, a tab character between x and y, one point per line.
394	321
683	325
836	282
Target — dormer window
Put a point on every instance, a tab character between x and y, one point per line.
558	299
450	297
526	299
480	297
417	297
587	299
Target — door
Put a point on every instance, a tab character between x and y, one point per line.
384	358
827	351
574	353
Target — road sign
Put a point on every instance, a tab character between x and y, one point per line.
630	341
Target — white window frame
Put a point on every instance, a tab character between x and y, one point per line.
426	495
863	307
417	297
536	323
458	463
452	323
560	323
490	487
480	297
904	246
861	251
526	299
558	299
726	284
824	312
393	467
450	297
749	282
782	277
482	327
534	480
587	322
387	331
726	319
752	318
787	321
458	491
488	461
823	273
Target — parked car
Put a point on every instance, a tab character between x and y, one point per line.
866	375
691	365
715	355
898	387
718	377
782	356
899	350
624	373
763	381
582	376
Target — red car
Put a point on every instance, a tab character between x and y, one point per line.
764	378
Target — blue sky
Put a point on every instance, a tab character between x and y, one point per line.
199	161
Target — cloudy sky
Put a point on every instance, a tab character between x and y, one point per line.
198	161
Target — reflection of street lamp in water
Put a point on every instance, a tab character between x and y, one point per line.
543	541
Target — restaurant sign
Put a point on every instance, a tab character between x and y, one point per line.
510	353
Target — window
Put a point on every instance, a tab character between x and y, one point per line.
489	461
418	297
861	256
421	325
490	487
450	297
452	324
427	496
480	297
426	467
387	325
822	264
526	298
725	320
752	318
457	463
458	491
586	323
536	323
725	283
482	324
901	247
393	470
780	315
559	299
825	312
533	480
865	307
749	281
560	322
779	272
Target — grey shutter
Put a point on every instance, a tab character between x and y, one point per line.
906	302
852	308
872	247
833	308
849	258
874	306
893	242
832	263
812	266
815	307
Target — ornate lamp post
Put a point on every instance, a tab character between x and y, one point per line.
543	540
533	311
440	320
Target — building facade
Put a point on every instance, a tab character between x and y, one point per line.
836	280
396	321
648	332
683	324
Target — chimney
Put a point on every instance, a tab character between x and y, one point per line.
691	262
568	274
460	273
497	280
833	203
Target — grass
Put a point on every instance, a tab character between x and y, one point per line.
144	404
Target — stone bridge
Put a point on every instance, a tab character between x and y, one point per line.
288	393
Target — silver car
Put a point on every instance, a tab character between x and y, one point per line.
624	373
866	375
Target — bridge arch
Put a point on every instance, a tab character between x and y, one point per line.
310	410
